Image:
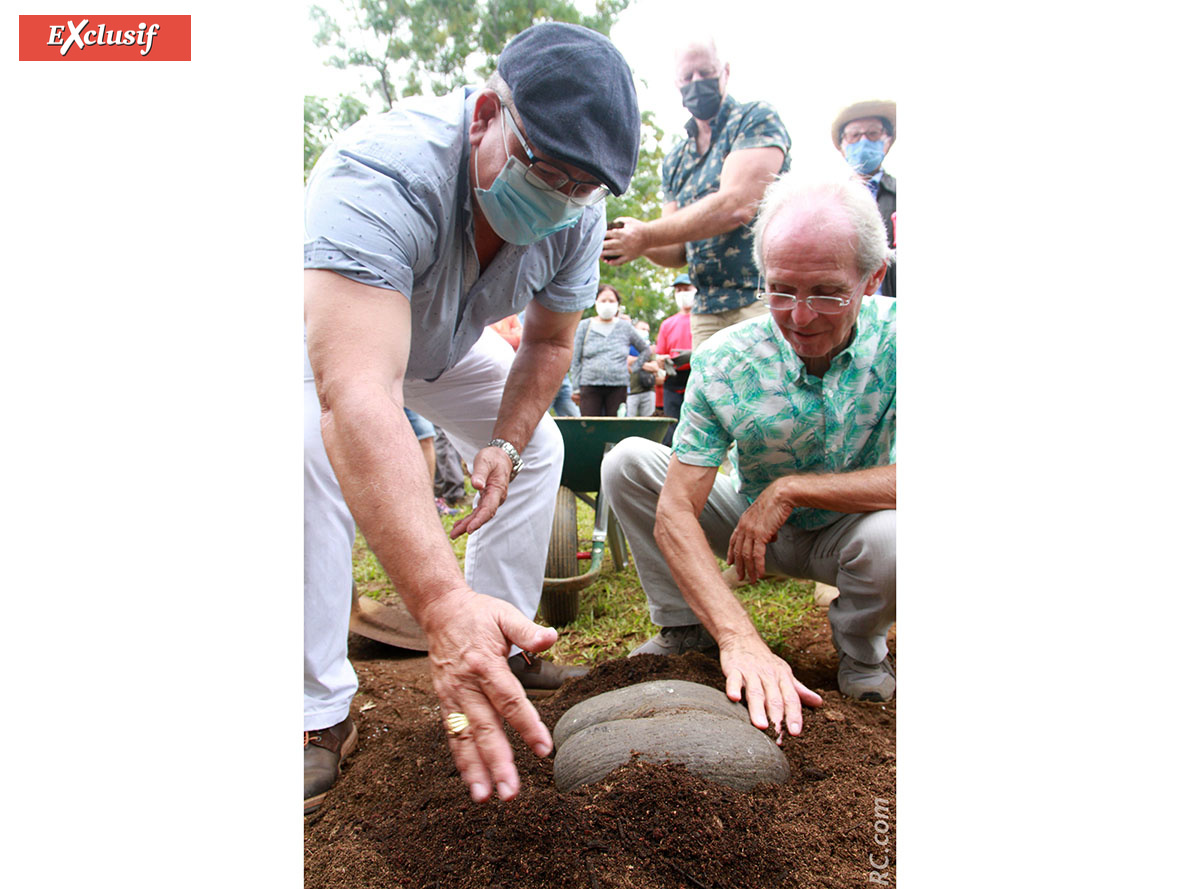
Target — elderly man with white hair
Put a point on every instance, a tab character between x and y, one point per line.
806	396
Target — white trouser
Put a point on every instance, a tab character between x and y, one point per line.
857	553
639	404
506	558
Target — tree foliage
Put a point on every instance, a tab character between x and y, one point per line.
644	287
410	47
320	124
416	47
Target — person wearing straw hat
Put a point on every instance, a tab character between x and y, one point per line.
423	226
864	133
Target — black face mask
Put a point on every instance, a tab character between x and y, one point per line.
702	98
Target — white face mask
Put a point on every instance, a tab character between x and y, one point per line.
607	311
685	298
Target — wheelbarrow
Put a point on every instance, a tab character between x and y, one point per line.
586	441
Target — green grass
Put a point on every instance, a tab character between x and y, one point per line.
612	611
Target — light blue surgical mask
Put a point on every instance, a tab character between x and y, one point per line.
865	156
519	212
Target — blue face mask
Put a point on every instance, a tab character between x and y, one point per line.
865	156
519	212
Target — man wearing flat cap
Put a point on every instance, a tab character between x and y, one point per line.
864	133
423	226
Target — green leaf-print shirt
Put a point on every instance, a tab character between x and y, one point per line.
749	388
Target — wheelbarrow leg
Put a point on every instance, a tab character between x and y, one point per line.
616	539
607	528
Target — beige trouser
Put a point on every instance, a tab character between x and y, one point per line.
857	553
704	326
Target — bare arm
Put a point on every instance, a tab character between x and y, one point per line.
358	338
670	256
679	536
358	343
863	490
744	177
773	695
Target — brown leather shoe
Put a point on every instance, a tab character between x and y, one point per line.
324	752
541	677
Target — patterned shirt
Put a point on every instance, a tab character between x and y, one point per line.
749	388
389	205
722	268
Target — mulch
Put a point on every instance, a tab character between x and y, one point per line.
400	815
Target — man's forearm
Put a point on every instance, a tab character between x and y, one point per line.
708	217
681	540
535	378
864	490
385	483
672	256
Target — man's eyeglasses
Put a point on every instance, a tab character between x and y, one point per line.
852	136
543	175
822	305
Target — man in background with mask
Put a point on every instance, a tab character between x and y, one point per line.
864	133
423	226
711	183
674	338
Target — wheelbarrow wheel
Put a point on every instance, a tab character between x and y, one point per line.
559	607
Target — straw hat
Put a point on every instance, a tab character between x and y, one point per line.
872	108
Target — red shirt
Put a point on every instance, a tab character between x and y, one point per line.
675	335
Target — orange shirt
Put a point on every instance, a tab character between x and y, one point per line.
510	329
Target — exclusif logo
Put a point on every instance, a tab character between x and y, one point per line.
106	38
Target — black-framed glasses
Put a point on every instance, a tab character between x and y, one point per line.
543	175
852	136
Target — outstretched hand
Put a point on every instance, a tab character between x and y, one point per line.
773	694
469	640
490	476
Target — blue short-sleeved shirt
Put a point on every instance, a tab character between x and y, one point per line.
722	268
750	388
389	205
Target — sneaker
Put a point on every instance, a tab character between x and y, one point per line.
867	682
539	676
729	575
444	508
677	640
324	752
824	594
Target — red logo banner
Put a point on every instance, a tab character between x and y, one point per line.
105	38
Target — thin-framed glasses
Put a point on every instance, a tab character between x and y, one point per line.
544	176
833	304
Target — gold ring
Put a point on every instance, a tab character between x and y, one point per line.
456	723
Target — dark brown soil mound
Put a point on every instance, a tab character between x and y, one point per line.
400	815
